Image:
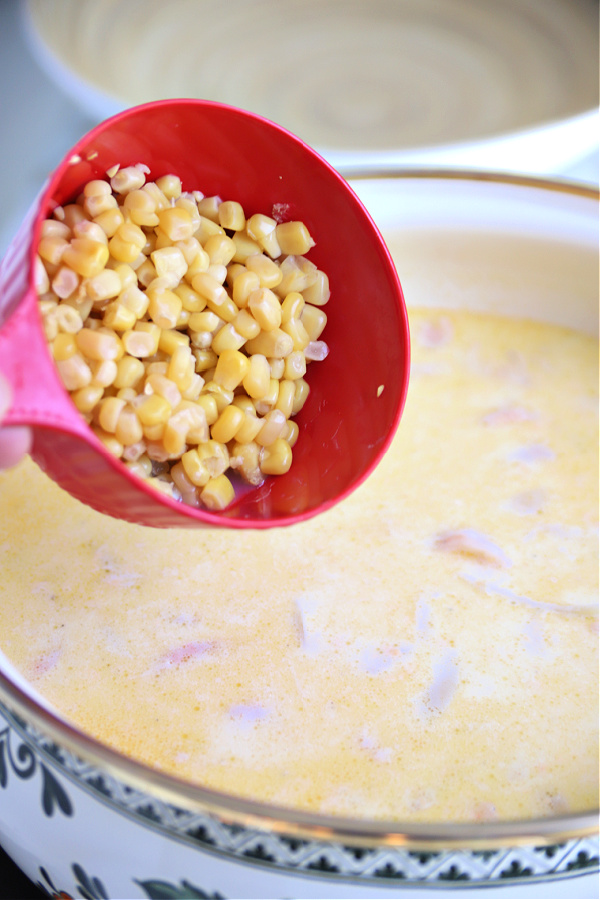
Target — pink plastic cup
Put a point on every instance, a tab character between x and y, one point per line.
356	395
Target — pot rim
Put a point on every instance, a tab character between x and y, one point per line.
299	823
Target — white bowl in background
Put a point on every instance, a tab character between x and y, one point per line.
508	86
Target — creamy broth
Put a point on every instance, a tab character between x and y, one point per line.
425	651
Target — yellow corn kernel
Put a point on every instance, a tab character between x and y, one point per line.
109	441
208	403
273	427
117	316
169	341
68	319
103	286
52	248
130	372
258	377
222	396
275	343
206	228
86	257
170	185
190	248
176	223
227	338
231	369
90	231
205	321
146	273
127	243
200	263
302	391
191	300
98	345
269	273
295	366
142	467
220	249
109	220
153	436
74	372
161	240
86	398
249	427
244	458
209	208
53	228
129	395
164	307
208	287
169	263
266	403
158	383
135	300
277	367
194	388
65	282
286	397
276	458
246	325
261	228
97	198
297	332
181	367
318	293
175	434
294	238
298	273
218	272
128	179
72	214
244	284
266	309
140	207
142	341
129	430
64	346
195	417
231	215
244	247
218	493
314	320
226	426
109	410
153	410
157	195
133	452
188	491
292	306
104	372
205	359
291	435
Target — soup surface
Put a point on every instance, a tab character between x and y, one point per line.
425	651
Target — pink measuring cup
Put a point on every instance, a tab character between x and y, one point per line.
356	395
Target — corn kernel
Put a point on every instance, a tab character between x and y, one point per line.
220	249
97	345
222	396
126	243
246	325
291	435
128	179
64	346
205	359
74	372
68	319
135	300
208	403
232	367
266	403
265	308
103	286
276	459
226	426
314	320
117	316
104	372
231	215
163	307
244	458
109	410
244	246
209	207
297	332
295	366
294	238
191	300
52	248
227	338
153	410
181	367
142	340
274	425
275	343
269	273
90	231
318	293
218	493
65	282
130	372
86	257
286	397
302	391
258	377
170	185
86	398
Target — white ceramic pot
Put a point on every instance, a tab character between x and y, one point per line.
83	821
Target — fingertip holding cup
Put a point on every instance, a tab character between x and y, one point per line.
356	395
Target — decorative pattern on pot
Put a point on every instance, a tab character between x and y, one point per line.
27	754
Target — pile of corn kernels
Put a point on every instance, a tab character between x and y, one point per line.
182	330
